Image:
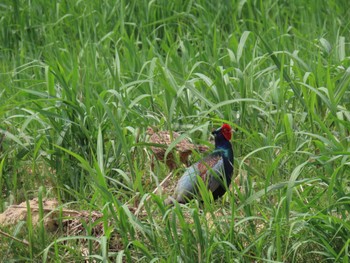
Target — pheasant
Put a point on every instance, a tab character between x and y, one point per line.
215	170
164	139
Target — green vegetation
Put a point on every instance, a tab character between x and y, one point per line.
82	80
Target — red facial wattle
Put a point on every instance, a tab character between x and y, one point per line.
226	130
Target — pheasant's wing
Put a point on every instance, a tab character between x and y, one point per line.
213	171
215	176
206	169
210	162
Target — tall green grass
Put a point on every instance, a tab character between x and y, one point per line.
82	80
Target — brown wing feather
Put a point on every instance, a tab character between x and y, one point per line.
206	164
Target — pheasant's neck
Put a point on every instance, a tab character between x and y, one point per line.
228	158
226	147
227	154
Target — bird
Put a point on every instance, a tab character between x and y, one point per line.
216	170
164	138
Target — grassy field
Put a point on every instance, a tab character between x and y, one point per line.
82	80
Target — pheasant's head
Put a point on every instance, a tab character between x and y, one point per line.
224	132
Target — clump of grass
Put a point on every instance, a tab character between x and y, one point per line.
81	82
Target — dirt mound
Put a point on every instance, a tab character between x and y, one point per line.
15	213
72	220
